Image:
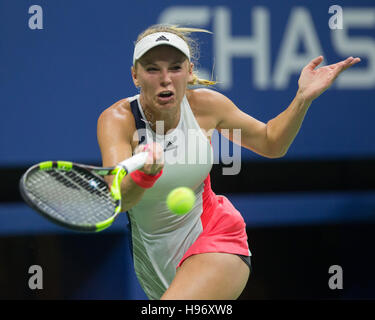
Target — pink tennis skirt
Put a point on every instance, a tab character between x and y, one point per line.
224	229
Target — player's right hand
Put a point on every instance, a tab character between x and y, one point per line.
155	161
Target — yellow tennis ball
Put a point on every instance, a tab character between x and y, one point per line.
181	200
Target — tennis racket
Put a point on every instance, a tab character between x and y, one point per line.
75	195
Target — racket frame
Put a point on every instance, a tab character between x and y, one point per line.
120	171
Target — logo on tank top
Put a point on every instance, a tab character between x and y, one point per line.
170	146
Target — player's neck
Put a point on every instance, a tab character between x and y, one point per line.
169	118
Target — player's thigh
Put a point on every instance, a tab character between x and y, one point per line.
209	276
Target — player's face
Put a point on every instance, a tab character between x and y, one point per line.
163	74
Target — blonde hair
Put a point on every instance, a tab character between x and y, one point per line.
184	34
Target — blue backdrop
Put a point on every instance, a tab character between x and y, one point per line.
55	81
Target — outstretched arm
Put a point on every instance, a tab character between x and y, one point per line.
272	139
313	81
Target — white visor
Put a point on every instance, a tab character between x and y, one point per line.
160	38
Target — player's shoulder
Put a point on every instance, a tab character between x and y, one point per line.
204	95
117	119
204	100
119	111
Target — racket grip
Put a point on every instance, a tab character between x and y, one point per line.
135	162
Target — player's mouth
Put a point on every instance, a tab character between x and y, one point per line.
165	96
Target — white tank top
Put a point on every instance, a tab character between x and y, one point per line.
159	237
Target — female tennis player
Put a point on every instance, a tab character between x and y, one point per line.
203	254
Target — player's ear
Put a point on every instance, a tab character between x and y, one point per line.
191	72
134	76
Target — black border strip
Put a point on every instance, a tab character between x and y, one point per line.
268	176
291	176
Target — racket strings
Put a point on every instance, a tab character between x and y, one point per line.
75	196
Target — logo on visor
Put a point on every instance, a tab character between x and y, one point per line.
162	38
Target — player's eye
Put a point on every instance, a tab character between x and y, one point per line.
151	69
176	67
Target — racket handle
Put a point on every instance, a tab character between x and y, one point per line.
135	162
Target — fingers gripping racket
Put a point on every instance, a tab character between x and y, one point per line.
75	195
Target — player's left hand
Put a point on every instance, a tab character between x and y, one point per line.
314	81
